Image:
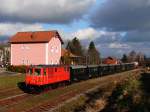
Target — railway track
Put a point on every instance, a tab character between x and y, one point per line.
13	99
50	104
9	101
7	90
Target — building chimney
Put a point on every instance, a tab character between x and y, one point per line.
32	35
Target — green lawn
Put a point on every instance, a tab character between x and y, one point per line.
10	81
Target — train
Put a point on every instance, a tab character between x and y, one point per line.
44	75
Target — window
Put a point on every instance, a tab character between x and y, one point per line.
27	62
66	69
55	69
94	69
27	47
23	62
44	72
37	71
56	62
22	47
30	71
52	49
56	49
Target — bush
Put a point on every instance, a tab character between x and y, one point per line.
20	69
129	97
130	94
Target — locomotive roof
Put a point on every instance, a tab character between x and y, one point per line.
45	66
77	66
93	65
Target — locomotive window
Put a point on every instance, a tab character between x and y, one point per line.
68	69
30	71
44	72
55	69
65	68
95	69
37	71
81	70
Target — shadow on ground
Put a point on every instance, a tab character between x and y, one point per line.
146	82
120	103
23	87
91	98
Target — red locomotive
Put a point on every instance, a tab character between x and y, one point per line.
44	75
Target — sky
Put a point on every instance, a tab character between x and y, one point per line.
116	26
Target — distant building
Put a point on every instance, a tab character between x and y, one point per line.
147	63
41	47
68	58
110	60
1	56
4	55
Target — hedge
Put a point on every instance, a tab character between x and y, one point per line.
20	69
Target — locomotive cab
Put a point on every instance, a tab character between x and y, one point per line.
34	76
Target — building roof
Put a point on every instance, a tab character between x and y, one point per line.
110	60
34	37
65	52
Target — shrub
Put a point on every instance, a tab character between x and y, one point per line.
20	69
127	96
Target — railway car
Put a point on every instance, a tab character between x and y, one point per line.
129	66
104	69
112	69
78	73
93	71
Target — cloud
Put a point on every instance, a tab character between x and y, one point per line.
94	34
118	46
44	11
137	36
118	49
87	33
122	15
8	29
129	20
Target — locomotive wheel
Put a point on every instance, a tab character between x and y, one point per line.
54	86
38	89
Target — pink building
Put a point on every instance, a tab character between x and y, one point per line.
41	47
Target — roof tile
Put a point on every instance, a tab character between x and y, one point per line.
34	37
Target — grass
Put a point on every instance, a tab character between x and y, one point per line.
72	105
10	81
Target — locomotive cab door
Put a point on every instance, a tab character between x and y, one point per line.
37	76
44	76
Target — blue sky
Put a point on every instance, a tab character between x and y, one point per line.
116	27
